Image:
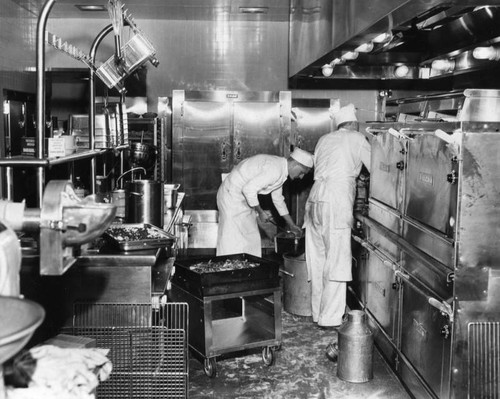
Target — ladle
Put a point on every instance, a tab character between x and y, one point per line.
130	170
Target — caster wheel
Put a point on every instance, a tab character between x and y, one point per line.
210	367
268	356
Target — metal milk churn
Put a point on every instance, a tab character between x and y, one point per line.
355	349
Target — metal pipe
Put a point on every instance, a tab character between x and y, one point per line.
40	93
93	49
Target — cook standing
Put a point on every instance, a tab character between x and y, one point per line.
238	203
338	158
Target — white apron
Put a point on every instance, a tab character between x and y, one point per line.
328	219
238	229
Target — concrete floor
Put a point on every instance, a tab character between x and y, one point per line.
301	371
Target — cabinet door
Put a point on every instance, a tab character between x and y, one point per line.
201	150
387	170
431	191
426	339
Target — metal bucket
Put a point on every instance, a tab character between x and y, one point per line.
144	202
355	349
118	198
296	288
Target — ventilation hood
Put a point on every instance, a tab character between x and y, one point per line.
426	40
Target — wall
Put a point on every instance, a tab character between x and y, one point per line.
17	49
193	55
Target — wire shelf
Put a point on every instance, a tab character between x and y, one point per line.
148	347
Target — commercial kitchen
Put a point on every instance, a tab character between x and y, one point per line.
121	120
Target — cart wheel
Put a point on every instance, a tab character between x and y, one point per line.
210	367
268	356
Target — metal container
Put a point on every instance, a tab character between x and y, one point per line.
118	198
170	194
144	202
288	242
355	343
142	155
296	288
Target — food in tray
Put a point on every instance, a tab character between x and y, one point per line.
134	233
220	266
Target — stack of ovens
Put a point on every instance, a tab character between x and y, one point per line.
428	248
234	305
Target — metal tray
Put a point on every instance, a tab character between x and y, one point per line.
156	237
266	275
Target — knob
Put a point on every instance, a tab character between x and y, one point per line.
400	165
445	331
452	177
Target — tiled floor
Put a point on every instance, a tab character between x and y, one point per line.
301	370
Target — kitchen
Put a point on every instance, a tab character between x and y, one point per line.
292	61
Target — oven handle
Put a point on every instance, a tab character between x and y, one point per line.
377	252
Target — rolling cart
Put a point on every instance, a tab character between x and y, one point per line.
230	310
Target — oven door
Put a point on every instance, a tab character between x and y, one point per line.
387	166
431	189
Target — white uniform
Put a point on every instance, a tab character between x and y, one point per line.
338	158
238	229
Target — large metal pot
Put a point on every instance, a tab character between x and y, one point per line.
288	242
144	202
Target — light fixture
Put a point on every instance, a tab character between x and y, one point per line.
327	69
486	53
401	71
351	55
383	37
443	65
364	48
254	10
91	7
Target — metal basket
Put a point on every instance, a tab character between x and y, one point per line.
148	347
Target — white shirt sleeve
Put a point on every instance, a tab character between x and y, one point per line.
255	185
279	201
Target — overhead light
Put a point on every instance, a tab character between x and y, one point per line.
383	37
91	7
254	10
401	71
486	53
364	48
327	70
443	65
351	55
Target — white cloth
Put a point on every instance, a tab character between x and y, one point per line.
328	219
238	230
345	114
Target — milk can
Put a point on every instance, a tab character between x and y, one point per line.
355	349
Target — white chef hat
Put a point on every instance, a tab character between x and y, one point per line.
345	114
303	157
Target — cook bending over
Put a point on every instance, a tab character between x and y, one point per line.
239	205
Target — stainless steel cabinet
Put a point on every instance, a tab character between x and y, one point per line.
212	131
432	233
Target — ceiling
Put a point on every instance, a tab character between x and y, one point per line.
268	10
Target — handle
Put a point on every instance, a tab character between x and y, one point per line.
128	171
134	193
287	273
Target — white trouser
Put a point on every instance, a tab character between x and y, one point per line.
328	257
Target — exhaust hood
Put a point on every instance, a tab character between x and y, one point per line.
417	40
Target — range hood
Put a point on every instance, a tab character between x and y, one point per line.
426	40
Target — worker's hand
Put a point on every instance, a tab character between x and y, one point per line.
264	216
296	230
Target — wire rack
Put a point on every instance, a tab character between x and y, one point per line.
148	347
